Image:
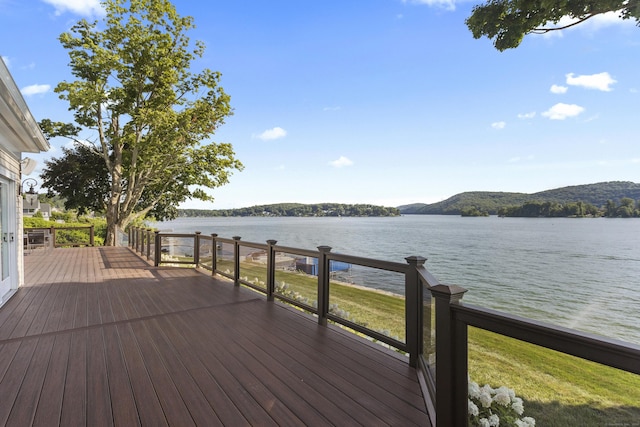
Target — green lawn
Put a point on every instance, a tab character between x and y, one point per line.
558	389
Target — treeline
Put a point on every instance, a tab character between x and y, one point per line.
296	209
476	203
628	208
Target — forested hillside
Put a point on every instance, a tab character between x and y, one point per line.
491	202
296	209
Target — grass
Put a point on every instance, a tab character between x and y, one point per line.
558	390
375	310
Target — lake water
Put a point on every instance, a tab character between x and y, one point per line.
579	273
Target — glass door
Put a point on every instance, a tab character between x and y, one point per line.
8	274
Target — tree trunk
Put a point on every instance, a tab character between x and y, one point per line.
112	223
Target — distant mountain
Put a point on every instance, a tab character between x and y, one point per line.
596	194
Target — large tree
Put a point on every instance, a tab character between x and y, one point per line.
151	116
506	22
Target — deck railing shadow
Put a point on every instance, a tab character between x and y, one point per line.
434	333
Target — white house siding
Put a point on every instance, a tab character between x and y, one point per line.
19	133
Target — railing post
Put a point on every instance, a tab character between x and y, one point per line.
214	254
53	237
236	260
413	309
271	269
451	359
143	240
138	233
148	232
323	284
129	238
196	249
91	236
158	248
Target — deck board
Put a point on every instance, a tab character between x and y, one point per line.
97	336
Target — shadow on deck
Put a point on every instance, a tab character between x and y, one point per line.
98	337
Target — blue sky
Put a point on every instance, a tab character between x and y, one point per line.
385	101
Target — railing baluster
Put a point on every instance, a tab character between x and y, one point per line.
236	260
158	248
196	249
323	284
214	254
271	269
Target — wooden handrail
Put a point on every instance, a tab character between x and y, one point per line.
53	230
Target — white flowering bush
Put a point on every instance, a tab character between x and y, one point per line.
493	407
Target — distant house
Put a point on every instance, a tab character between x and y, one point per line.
31	205
19	133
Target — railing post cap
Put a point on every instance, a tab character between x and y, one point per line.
272	242
447	290
324	248
198	232
416	259
157	231
214	234
236	237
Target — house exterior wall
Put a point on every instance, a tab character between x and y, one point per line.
19	133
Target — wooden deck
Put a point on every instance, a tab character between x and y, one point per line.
99	337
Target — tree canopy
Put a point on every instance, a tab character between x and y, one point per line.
506	22
80	177
151	116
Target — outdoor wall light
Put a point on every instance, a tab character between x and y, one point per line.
30	195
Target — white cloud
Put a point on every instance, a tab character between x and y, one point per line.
605	20
558	89
529	115
79	7
341	162
520	159
591	25
35	89
600	81
498	125
332	108
73	143
271	134
445	4
561	111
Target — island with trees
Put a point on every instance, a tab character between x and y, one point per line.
297	209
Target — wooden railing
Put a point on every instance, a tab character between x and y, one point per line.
436	319
56	237
222	256
452	319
